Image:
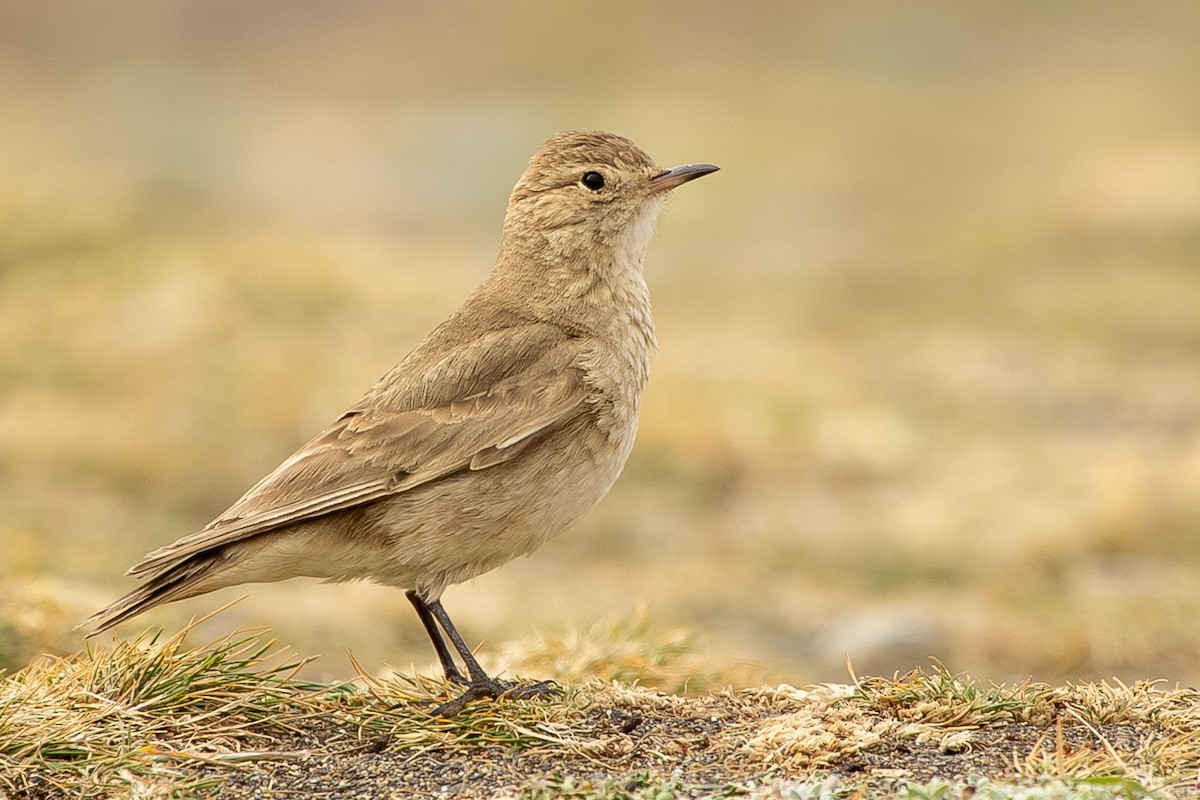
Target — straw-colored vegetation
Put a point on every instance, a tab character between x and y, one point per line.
157	717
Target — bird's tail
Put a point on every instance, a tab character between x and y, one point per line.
174	583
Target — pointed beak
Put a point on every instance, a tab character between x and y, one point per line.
665	181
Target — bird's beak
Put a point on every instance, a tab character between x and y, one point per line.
665	181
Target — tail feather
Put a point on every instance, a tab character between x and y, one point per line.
175	583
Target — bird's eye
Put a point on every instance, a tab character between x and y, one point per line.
593	181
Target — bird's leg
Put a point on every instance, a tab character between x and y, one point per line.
481	684
449	668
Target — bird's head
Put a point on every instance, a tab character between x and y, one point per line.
591	191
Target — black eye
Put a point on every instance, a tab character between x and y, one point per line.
593	181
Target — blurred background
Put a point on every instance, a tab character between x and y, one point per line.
929	380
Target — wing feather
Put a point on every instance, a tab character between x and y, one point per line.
375	451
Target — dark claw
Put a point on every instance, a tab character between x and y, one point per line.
475	691
532	690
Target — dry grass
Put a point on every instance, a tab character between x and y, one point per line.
156	717
928	376
108	719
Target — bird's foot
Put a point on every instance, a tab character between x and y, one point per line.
476	690
493	688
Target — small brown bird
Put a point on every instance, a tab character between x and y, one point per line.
503	427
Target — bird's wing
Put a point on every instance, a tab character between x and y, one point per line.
374	451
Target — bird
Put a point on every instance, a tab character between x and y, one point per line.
499	430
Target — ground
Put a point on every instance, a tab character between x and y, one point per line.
627	741
159	718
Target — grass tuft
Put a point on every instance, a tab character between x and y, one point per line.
115	718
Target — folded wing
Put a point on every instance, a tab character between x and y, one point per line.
375	451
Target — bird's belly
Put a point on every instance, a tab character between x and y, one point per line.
473	522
